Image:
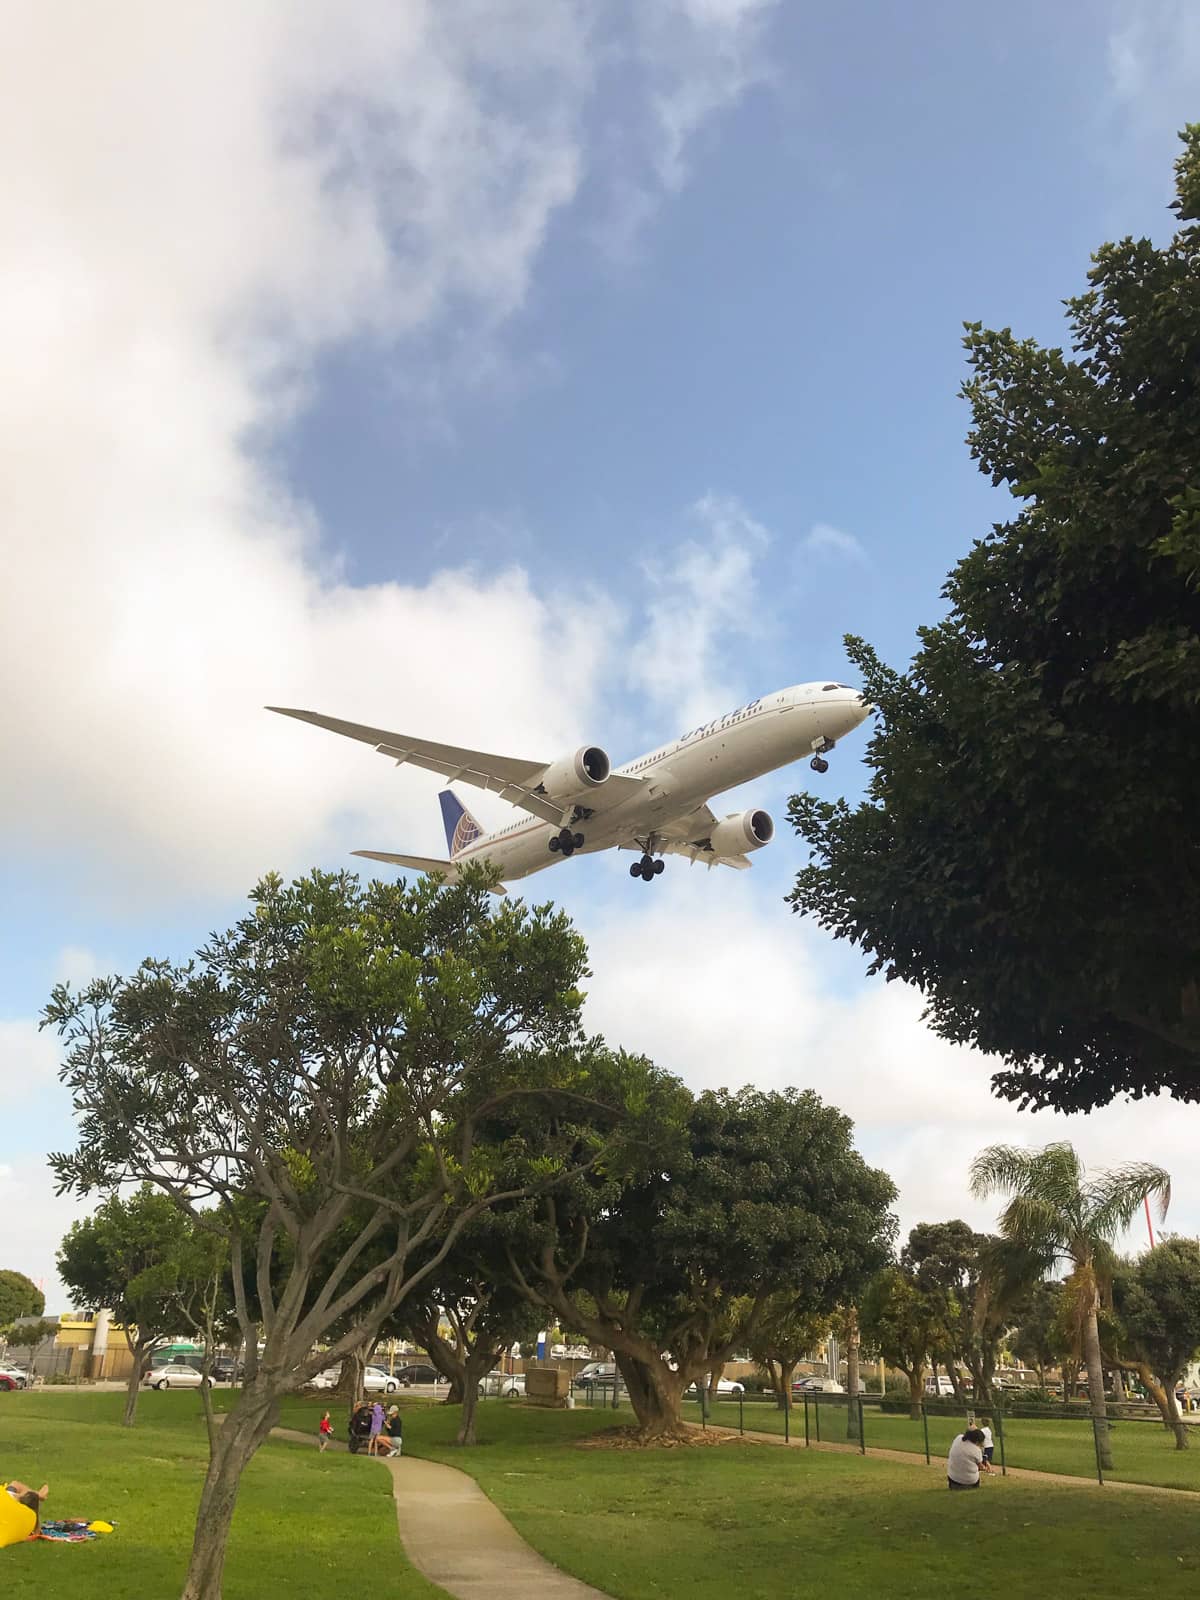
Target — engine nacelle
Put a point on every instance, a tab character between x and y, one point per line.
576	774
742	831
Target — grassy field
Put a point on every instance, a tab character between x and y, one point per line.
735	1519
1143	1452
307	1526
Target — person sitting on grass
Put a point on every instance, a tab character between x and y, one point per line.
24	1495
965	1461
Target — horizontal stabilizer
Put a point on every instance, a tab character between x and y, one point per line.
446	869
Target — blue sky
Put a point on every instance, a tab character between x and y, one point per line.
517	377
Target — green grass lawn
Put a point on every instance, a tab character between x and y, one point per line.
307	1526
1143	1452
740	1520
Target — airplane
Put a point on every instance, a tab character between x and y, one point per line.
657	804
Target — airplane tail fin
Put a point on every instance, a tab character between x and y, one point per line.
461	826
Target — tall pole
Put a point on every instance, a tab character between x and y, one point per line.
1149	1224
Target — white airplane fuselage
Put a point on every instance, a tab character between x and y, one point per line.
757	738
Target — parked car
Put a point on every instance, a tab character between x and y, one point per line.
724	1386
817	1386
175	1375
377	1381
325	1380
940	1386
508	1385
7	1383
597	1374
17	1376
417	1372
225	1369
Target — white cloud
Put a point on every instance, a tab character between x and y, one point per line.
726	991
827	540
702	597
33	1220
207	202
28	1062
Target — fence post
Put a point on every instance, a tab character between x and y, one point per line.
925	1424
1096	1447
704	1405
741	1413
862	1437
1000	1437
817	1408
806	1422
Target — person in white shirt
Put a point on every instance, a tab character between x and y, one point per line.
965	1461
985	1428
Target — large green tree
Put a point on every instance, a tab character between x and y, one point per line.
1029	852
137	1255
317	1073
1035	1337
19	1297
1059	1214
904	1322
748	1195
1157	1303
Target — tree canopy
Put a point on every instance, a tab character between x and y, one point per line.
319	1073
19	1297
1157	1302
1028	855
674	1266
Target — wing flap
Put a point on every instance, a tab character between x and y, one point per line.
513	779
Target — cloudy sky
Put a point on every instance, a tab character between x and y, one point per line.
514	374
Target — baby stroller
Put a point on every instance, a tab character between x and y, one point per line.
359	1431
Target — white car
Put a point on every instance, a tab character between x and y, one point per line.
18	1375
724	1386
377	1381
324	1380
508	1385
175	1375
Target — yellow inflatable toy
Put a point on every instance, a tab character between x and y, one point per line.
17	1522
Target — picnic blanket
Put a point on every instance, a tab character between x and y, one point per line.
70	1531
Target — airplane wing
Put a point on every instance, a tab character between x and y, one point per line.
510	777
447	869
688	836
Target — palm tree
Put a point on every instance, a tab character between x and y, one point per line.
1058	1215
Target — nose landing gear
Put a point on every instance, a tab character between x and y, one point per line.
820	750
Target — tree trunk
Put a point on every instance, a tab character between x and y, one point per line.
350	1378
956	1383
783	1394
134	1387
1178	1426
1093	1361
470	1405
655	1393
235	1444
1119	1394
915	1397
852	1352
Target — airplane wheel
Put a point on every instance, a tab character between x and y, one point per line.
659	868
635	871
555	843
577	841
819	764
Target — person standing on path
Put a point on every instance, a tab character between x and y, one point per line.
985	1427
376	1429
326	1432
965	1461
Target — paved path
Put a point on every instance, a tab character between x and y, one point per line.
911	1459
453	1534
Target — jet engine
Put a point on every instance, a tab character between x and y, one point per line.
742	831
572	776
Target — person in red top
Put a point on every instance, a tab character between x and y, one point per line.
326	1431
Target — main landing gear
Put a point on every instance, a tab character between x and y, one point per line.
647	868
566	842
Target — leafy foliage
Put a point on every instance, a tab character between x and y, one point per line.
19	1297
1029	854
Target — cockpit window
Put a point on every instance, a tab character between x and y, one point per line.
829	686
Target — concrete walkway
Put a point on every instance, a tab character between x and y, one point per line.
455	1536
937	1465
